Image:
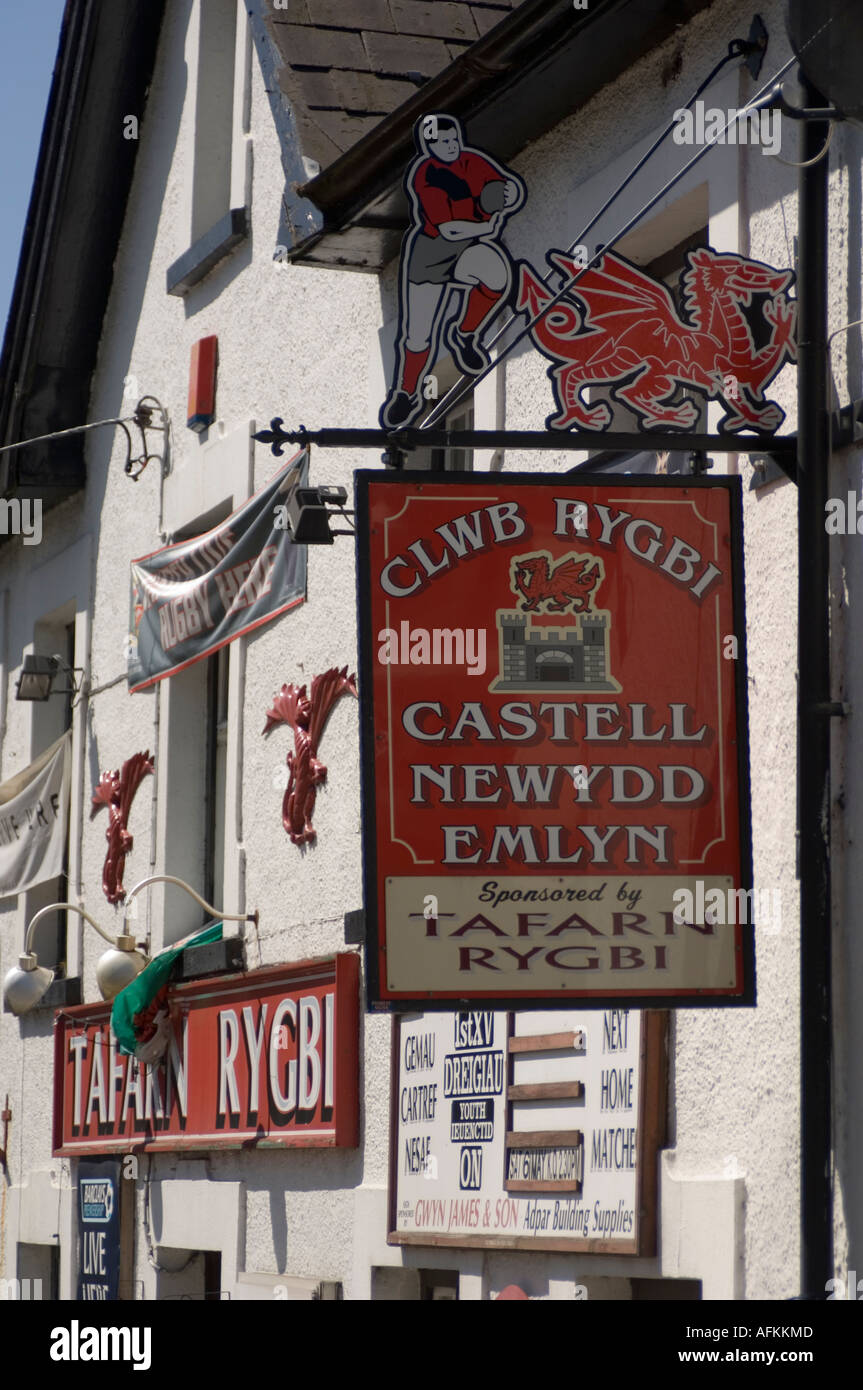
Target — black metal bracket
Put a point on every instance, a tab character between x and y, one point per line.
776	98
846	428
398	442
355	927
149	414
847	425
754	46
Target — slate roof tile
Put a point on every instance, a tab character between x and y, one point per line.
441	19
311	47
353	14
358	60
485	17
364	91
404	53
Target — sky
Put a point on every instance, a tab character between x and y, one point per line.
29	33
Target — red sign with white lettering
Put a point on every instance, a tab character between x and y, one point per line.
267	1057
554	722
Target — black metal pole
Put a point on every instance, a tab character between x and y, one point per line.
813	719
781	447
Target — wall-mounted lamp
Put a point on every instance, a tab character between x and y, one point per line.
310	510
36	681
28	981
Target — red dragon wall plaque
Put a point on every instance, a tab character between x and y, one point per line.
619	327
307	716
116	790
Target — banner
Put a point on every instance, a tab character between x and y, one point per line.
193	597
34	806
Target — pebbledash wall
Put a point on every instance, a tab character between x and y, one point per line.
310	345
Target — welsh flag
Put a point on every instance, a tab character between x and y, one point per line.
136	1009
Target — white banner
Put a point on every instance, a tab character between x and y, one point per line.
34	807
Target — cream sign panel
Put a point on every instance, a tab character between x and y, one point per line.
528	1130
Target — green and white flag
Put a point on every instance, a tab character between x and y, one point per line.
136	1008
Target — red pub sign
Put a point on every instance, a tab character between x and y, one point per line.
554	740
269	1057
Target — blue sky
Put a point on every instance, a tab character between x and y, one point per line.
29	33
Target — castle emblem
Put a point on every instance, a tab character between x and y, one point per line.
574	656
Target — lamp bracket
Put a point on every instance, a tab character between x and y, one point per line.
148	414
776	98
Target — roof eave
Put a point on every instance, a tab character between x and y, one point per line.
542	63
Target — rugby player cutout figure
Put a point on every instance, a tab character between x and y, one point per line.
460	199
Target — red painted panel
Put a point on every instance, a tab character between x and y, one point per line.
202	383
265	1057
554	720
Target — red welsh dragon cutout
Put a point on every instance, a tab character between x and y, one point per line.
619	325
615	327
307	716
116	790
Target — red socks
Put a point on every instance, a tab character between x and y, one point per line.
415	363
480	303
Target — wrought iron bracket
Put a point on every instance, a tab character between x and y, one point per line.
847	425
149	414
775	98
397	443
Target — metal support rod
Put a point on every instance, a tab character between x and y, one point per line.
785	446
61	434
60	907
181	883
813	732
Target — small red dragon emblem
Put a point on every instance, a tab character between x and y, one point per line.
307	716
619	325
568	584
116	790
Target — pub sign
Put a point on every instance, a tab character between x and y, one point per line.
266	1057
554	740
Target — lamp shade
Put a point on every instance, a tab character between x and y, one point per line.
117	968
25	984
36	678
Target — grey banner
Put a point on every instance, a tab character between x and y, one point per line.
191	598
